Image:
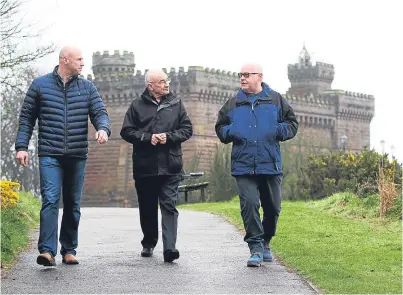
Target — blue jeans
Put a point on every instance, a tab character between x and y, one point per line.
57	174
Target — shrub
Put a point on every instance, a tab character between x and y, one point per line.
9	197
325	174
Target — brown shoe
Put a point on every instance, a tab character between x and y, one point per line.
46	259
70	259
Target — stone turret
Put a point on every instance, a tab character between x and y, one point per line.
306	78
108	67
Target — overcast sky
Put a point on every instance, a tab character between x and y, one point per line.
361	39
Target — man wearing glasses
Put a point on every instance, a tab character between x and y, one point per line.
157	124
255	121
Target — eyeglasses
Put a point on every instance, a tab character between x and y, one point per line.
246	75
167	81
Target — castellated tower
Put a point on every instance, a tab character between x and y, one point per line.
306	78
325	116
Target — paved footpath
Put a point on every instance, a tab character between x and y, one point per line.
212	261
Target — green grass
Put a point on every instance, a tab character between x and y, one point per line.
16	223
338	254
350	205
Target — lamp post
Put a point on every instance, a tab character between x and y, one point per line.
383	151
344	140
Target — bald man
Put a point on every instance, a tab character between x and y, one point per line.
255	121
61	101
157	124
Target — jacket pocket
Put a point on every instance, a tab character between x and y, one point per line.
143	164
236	151
175	161
273	152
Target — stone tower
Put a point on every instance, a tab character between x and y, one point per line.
306	78
109	67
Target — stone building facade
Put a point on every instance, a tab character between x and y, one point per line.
325	115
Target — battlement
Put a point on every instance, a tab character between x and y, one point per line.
106	66
318	64
358	95
105	59
325	65
194	70
308	78
319	101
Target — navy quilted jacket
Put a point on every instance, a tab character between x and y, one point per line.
62	114
255	128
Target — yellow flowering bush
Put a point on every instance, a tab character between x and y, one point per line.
9	197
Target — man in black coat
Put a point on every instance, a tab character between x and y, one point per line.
157	124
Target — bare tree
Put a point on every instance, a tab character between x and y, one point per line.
11	101
16	73
14	36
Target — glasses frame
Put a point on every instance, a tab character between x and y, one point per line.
246	75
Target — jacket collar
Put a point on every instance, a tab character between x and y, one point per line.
148	97
57	75
242	95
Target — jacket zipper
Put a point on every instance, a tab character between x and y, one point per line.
254	158
257	130
65	119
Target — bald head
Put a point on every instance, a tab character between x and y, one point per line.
251	76
68	51
71	61
252	68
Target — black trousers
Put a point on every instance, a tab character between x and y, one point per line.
150	190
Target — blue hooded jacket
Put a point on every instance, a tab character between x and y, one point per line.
255	127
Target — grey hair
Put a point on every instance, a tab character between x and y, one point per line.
150	73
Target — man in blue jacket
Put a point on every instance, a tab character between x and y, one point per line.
255	121
61	101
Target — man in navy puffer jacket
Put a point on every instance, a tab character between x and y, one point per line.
61	101
255	121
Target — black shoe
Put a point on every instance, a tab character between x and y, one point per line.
171	255
147	252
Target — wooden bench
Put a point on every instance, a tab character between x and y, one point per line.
185	188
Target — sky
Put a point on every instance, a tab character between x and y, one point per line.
360	38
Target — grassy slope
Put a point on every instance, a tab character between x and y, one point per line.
338	254
16	223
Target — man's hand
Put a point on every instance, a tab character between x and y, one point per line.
159	138
22	158
101	136
154	139
162	138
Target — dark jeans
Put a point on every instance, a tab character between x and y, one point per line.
149	191
267	190
57	174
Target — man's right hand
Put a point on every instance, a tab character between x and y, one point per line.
154	139
22	158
